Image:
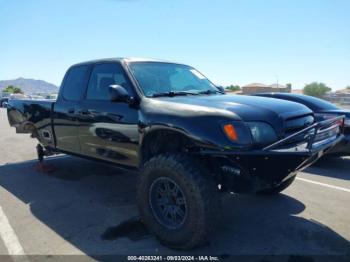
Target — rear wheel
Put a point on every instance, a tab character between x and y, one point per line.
277	189
178	202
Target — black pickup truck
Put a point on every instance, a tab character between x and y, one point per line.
188	138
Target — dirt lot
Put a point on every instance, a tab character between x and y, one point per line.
75	210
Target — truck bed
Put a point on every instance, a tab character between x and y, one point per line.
33	117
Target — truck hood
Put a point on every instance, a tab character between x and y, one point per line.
246	108
236	107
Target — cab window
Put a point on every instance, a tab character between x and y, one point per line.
102	77
74	83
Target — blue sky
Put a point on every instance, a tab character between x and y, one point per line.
232	41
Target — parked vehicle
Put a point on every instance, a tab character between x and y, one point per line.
35	97
188	138
323	110
18	97
51	96
4	101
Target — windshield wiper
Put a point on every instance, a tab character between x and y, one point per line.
173	93
209	92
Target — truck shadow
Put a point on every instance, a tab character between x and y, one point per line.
335	167
84	202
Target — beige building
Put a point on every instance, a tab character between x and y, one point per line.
340	97
262	88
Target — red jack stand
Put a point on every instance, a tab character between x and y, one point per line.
41	166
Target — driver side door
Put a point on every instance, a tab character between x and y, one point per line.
108	130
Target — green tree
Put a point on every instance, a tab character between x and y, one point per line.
13	90
348	87
316	89
233	88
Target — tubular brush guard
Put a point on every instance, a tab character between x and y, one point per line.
255	170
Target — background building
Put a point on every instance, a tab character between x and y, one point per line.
262	88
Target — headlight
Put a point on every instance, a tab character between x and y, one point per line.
231	132
262	133
237	132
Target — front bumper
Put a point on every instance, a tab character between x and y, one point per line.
255	170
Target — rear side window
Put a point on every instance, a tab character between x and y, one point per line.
102	76
74	83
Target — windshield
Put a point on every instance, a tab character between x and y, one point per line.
166	78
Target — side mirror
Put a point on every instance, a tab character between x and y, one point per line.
119	94
221	89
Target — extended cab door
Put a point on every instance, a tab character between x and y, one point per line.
108	130
65	109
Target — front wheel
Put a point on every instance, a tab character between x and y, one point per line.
276	190
178	202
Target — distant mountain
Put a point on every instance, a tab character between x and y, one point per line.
30	86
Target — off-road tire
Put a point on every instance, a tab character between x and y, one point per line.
276	190
200	192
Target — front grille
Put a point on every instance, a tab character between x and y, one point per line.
296	124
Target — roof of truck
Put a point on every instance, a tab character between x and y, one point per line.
119	59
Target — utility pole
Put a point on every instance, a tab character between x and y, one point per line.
277	80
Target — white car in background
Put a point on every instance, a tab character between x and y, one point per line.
35	97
